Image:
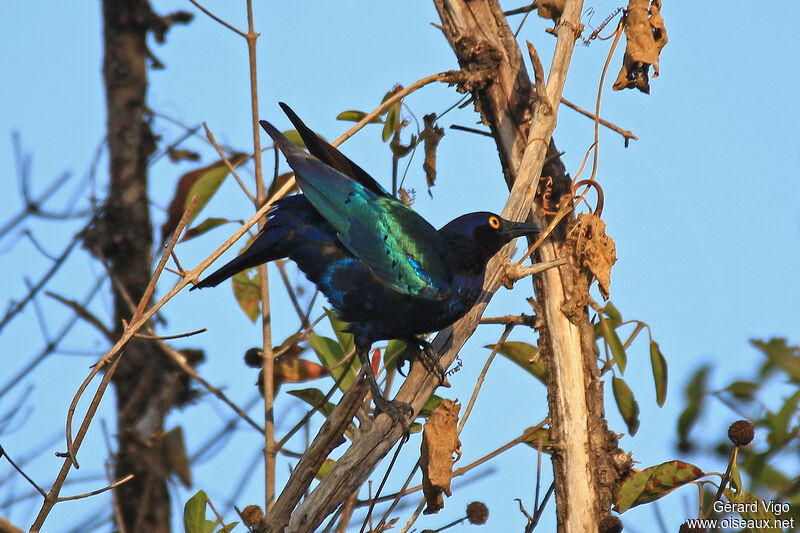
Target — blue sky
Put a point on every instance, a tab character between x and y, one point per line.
704	209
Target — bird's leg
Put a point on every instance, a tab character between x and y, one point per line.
422	351
397	410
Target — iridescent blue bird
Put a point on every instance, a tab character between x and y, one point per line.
383	267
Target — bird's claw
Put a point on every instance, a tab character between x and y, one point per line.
425	354
398	411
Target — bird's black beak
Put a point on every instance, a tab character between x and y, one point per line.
512	230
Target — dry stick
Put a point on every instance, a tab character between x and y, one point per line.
618	33
449	76
51	346
180	360
213	16
414	517
36	288
482	377
464	469
538	76
231	166
397	496
724	481
153	337
81	312
281	264
268	359
518	320
132	328
330	435
116	354
311	411
148	292
3	453
625	133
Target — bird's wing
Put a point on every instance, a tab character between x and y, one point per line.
329	155
403	249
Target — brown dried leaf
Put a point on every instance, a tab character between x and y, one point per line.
593	249
431	135
550	9
646	36
439	443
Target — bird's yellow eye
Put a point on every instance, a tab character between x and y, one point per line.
494	222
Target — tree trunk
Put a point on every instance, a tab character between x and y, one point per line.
142	380
584	448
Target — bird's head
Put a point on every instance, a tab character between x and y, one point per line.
488	231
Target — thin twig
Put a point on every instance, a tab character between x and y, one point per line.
471	130
41	283
98	491
449	77
625	133
520	10
482	376
213	16
724	481
231	166
3	453
82	312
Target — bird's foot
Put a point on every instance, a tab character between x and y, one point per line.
398	411
423	352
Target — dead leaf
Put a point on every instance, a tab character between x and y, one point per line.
439	443
550	9
593	249
646	36
431	135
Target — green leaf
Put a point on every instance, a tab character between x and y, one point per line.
686	421
356	116
392	118
227	528
750	507
330	353
339	326
206	225
630	491
523	354
655	482
613	314
743	390
781	355
313	397
429	406
695	392
202	181
538	439
206	186
194	515
294	138
626	404
659	365
779	423
326	465
617	350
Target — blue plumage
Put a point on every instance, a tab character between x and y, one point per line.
383	267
